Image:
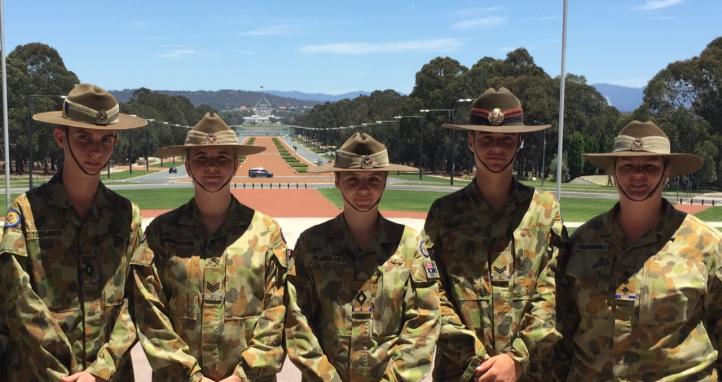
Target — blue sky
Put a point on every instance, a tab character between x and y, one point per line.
340	46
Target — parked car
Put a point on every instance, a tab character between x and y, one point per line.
259	172
319	162
172	170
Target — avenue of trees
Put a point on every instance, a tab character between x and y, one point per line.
37	77
685	99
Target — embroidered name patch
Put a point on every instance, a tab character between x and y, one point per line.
593	247
45	234
328	258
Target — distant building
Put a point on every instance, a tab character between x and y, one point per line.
262	113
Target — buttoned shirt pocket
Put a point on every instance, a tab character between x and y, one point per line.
670	291
392	282
245	282
475	308
183	283
115	271
589	276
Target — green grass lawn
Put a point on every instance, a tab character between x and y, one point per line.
146	199
713	214
158	198
393	199
121	175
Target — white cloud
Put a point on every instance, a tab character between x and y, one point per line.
362	48
472	12
479	22
178	54
651	5
273	30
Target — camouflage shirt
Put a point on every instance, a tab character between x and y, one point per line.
62	285
356	315
644	310
211	305
497	271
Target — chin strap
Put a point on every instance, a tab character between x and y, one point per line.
368	209
235	168
72	154
476	155
661	178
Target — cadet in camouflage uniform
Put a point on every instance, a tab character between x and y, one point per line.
209	279
643	286
496	243
64	256
362	302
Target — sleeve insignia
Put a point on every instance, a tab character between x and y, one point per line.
12	219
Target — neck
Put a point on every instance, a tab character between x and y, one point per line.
638	218
213	206
362	225
494	187
84	187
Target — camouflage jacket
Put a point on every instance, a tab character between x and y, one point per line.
498	276
211	305
63	285
358	315
645	310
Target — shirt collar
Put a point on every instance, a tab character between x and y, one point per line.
57	196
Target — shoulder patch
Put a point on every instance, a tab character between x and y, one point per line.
432	273
12	219
423	249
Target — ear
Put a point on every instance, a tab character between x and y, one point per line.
470	140
59	136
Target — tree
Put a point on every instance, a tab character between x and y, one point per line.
35	68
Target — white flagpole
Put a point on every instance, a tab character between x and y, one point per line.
561	103
6	135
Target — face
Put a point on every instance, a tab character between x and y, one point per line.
496	150
361	188
92	148
211	167
638	176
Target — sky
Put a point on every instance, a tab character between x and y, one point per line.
341	46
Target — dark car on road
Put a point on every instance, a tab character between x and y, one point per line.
259	172
172	170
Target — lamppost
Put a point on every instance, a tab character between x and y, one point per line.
147	142
30	132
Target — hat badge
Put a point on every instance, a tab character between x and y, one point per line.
496	117
211	138
101	116
637	144
367	162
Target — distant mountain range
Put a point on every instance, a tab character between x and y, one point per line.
222	99
624	98
317	97
231	99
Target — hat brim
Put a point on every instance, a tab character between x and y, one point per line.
125	121
679	164
503	129
390	168
180	150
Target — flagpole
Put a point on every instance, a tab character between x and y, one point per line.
561	103
6	135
